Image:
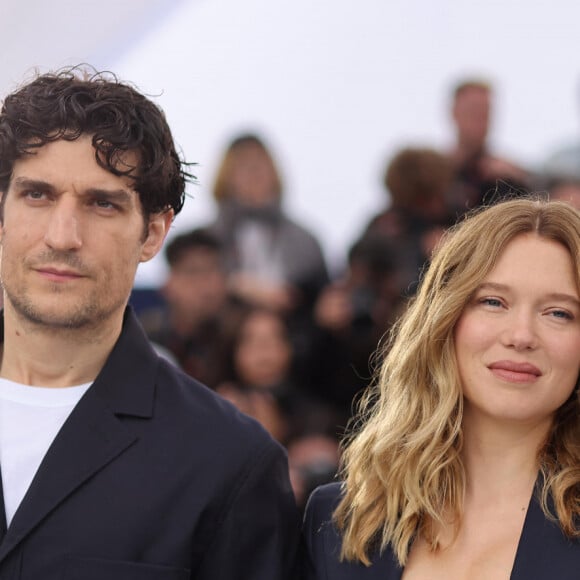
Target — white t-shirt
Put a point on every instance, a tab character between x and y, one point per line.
30	418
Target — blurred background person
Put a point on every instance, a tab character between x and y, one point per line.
564	162
480	174
566	189
355	311
271	260
418	182
258	377
351	316
256	369
190	319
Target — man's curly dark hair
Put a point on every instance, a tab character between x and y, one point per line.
73	102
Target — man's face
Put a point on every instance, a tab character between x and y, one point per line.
471	112
72	238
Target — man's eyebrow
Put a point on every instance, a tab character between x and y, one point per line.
557	296
27	183
118	195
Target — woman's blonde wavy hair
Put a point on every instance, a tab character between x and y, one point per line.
402	470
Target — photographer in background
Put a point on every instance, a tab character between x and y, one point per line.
351	316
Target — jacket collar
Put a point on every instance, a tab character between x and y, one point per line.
94	434
134	358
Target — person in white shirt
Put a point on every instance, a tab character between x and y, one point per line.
114	463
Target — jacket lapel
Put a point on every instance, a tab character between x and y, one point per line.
543	550
93	435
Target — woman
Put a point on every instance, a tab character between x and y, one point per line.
466	463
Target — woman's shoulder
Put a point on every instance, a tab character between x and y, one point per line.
321	538
324	499
318	522
323	543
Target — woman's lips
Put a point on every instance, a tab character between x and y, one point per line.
515	372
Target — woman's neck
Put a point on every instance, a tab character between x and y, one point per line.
501	458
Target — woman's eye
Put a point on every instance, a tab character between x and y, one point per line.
495	302
562	314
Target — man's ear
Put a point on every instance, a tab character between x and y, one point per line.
2	204
157	229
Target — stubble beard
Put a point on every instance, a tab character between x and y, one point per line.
87	315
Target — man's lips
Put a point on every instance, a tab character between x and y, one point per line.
58	274
515	372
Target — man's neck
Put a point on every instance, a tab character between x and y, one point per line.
34	354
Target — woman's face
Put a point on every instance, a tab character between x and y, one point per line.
517	341
263	354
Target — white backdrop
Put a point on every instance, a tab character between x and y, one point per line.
335	86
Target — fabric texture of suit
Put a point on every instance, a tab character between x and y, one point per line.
154	477
543	553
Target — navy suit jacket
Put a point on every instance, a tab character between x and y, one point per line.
154	477
543	553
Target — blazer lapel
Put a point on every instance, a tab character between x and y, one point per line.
87	442
93	435
543	550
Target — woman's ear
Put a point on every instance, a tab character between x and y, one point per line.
157	228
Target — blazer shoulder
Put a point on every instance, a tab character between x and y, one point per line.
193	410
321	504
322	544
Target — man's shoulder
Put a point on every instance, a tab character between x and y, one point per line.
192	409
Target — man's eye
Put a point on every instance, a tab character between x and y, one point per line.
104	204
34	194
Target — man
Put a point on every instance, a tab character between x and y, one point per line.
114	464
479	173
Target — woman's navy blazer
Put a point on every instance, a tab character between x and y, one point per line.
543	553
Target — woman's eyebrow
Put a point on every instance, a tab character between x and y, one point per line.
563	297
557	296
493	286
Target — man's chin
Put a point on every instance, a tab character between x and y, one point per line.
58	316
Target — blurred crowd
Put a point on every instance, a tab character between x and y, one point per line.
250	308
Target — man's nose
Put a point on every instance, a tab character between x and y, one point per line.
63	228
